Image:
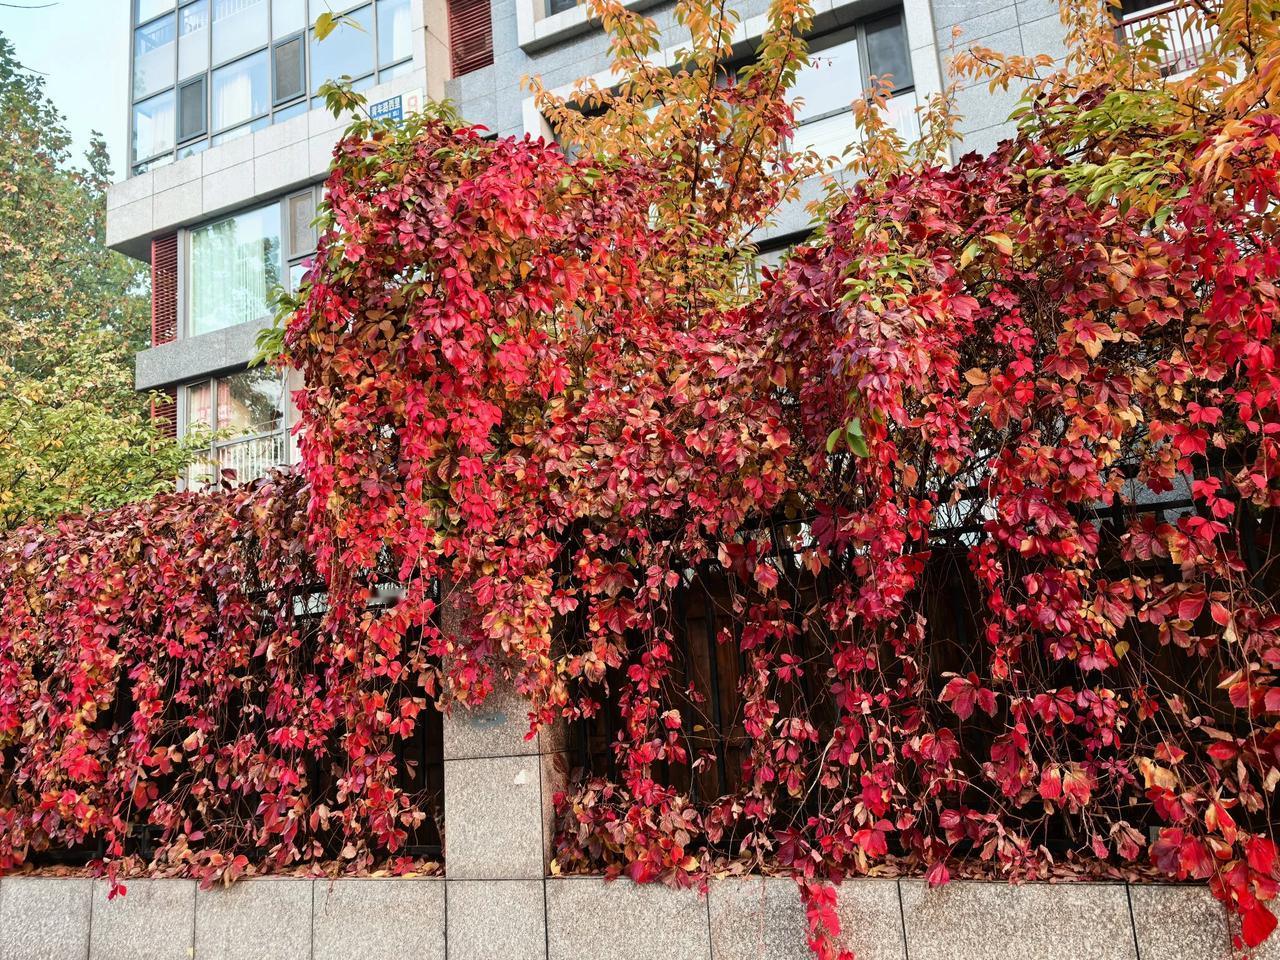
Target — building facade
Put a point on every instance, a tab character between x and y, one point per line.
229	143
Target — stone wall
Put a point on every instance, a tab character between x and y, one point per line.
583	918
499	904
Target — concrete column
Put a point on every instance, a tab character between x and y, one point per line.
498	813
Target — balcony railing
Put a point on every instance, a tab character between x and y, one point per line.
1181	29
249	457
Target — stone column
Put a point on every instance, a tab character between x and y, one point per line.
498	812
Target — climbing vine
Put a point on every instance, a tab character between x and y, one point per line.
978	491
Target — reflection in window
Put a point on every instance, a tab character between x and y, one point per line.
235	264
288	16
153	126
887	50
152	8
238	27
348	51
193	39
841	65
395	39
153	57
241	91
249	409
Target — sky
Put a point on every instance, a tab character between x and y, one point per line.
81	47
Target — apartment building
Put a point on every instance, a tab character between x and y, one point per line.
229	143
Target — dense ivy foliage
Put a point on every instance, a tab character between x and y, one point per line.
1046	376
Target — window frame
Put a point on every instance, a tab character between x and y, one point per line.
288	256
203	80
217	444
278	102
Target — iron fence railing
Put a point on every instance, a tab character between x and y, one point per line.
1180	32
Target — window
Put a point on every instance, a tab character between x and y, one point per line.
288	17
152	8
252	56
238	27
841	64
191	110
240	91
153	57
395	36
287	70
153	126
347	52
249	409
193	39
300	210
234	266
887	50
559	6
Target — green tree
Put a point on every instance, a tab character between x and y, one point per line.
73	432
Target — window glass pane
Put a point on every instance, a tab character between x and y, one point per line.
193	39
288	16
153	57
887	50
238	27
558	6
153	125
241	91
287	64
828	136
302	235
252	401
199	406
191	101
395	38
347	51
235	263
152	8
399	70
832	80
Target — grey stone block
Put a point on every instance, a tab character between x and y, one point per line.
230	187
44	918
756	917
949	12
981	108
497	920
175	174
232	153
127	191
281	169
190	357
379	920
999	921
1046	35
976	29
589	919
181	205
493	818
129	221
255	920
495	729
152	920
1179	923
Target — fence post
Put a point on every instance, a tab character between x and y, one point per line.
498	813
